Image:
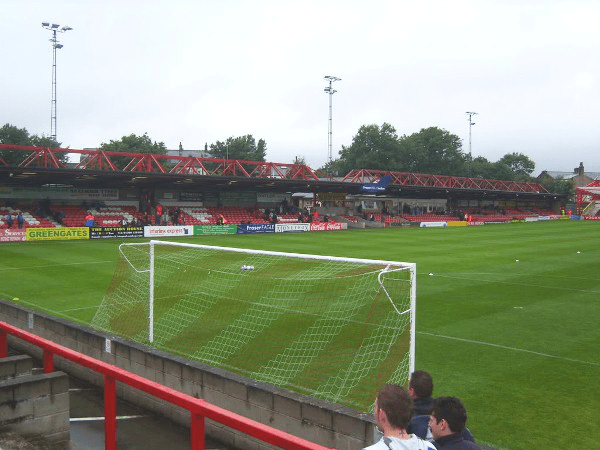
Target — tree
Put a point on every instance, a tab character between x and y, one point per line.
559	186
373	147
300	160
10	134
430	151
520	165
481	167
434	151
133	144
242	148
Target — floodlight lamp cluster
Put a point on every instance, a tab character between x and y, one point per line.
55	27
331	79
471	114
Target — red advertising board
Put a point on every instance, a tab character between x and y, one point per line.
12	235
326	226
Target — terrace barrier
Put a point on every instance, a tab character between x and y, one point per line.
199	409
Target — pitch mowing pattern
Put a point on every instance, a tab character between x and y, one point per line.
322	327
516	341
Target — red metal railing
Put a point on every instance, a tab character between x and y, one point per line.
199	409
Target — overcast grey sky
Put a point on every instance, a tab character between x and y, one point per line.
200	71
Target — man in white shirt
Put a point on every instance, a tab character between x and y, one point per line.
393	410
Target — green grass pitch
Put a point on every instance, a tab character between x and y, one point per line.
506	315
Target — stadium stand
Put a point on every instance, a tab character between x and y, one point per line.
29	220
429	217
349	218
111	216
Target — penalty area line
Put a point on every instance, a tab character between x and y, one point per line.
514	349
55	265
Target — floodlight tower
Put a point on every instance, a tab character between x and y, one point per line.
55	28
471	123
330	91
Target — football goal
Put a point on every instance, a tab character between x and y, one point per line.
329	327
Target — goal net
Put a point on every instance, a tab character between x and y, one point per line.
332	328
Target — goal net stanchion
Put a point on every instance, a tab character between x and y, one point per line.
329	327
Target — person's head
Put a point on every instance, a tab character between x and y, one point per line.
393	407
448	416
420	384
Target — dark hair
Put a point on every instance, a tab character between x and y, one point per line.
422	383
451	409
396	403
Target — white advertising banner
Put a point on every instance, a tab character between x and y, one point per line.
154	231
286	227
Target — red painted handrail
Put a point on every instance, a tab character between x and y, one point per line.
199	409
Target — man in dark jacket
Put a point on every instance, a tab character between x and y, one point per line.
448	421
420	389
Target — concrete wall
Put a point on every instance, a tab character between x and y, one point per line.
327	424
15	366
37	406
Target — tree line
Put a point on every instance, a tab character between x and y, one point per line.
241	147
430	151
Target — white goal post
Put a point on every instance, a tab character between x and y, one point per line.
326	326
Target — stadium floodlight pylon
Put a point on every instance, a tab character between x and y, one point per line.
329	327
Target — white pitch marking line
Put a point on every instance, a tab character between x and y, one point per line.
531	352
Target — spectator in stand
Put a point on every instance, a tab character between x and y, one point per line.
175	215
89	219
274	218
221	220
448	422
20	219
58	216
393	408
420	389
165	217
315	215
158	209
9	221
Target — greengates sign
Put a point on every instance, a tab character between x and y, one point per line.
46	234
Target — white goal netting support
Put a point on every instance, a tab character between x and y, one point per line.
329	327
